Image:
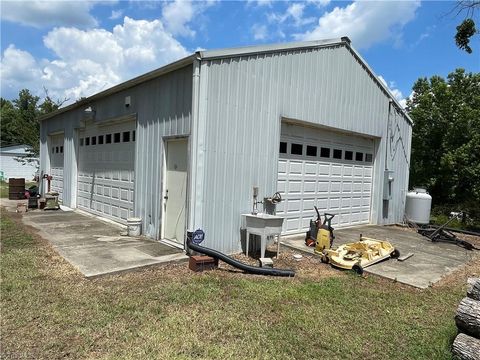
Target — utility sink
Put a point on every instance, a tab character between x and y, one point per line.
261	221
263	225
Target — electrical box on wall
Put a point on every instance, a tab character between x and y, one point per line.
388	184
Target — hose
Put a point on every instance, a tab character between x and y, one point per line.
237	264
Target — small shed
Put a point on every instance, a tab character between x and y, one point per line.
183	146
12	166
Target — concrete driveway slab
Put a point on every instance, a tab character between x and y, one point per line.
430	262
96	247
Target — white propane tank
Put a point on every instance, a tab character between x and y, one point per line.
418	205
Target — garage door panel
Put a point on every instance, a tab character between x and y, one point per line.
309	186
338	185
106	181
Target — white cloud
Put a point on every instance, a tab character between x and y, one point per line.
392	86
88	61
366	23
319	3
177	15
259	32
116	14
259	3
49	13
294	13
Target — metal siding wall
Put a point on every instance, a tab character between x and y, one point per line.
67	122
245	100
163	108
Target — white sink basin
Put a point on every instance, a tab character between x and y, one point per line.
263	225
261	221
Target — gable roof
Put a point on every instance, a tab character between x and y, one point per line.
227	53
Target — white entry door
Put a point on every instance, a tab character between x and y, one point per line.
175	190
327	169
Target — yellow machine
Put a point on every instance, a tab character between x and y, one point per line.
325	235
360	254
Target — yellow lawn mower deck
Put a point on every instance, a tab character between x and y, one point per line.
360	254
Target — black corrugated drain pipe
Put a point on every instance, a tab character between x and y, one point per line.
237	264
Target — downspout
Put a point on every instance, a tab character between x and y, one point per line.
194	142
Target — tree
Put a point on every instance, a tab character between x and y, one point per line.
19	123
467	28
446	138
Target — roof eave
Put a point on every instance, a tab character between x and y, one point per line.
123	86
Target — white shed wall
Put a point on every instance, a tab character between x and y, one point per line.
242	101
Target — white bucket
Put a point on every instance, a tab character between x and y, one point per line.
134	226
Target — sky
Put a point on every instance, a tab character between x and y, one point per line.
76	49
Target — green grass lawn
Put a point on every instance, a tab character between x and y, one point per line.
3	189
50	311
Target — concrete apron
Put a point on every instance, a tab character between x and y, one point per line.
430	262
95	247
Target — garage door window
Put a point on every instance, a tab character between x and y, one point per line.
368	158
133	135
81	142
61	149
100	139
108	138
337	153
87	141
94	140
311	150
296	149
126	136
348	155
325	152
116	137
359	156
283	147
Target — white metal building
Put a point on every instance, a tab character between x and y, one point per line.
12	168
182	147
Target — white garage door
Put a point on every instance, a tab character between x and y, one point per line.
330	170
105	170
56	164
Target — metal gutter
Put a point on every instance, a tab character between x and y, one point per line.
125	85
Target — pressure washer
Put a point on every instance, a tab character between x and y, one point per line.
320	234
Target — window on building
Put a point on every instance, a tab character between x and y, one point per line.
359	156
108	139
325	152
87	141
337	153
348	155
368	158
283	147
94	140
311	150
296	149
116	137
100	139
126	136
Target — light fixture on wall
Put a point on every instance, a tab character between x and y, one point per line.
89	113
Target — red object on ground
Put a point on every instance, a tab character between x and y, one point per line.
200	263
